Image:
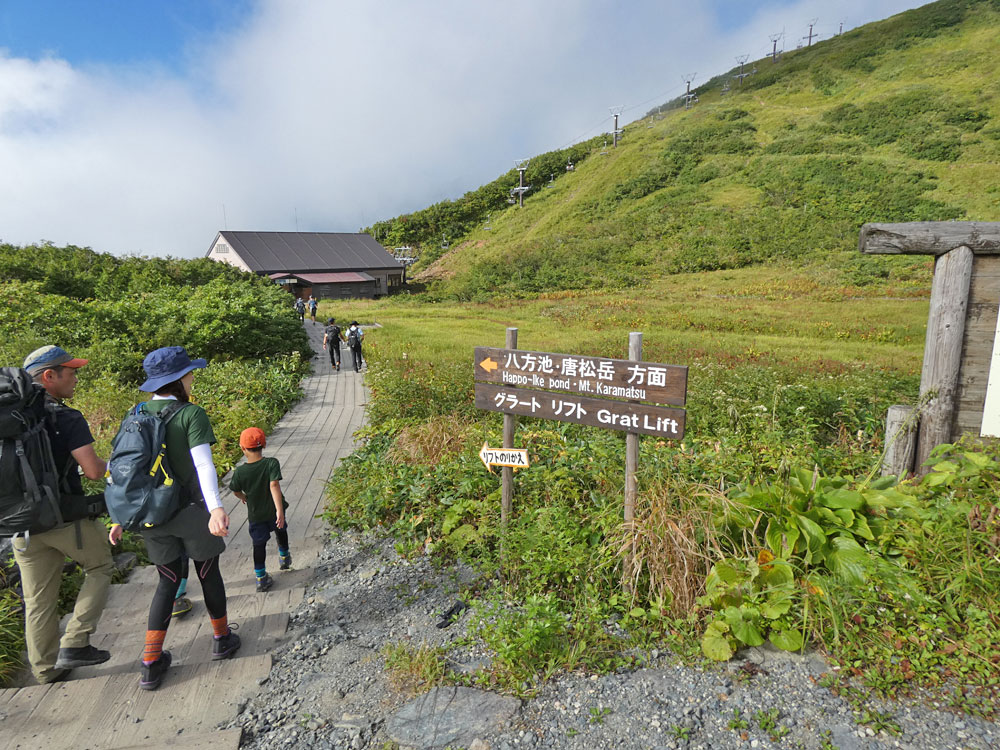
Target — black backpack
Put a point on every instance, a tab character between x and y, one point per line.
141	490
354	338
333	335
29	481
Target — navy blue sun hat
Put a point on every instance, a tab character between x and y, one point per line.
167	364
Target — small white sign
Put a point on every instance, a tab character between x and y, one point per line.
516	458
991	408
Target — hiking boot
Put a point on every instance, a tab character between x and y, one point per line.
226	646
152	674
84	656
264	582
182	605
284	561
59	675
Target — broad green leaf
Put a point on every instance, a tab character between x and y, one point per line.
823	516
814	535
842	498
937	478
862	529
979	459
749	633
715	643
945	466
787	640
778	574
774	536
729	573
845	517
742	623
847	559
637	613
776	605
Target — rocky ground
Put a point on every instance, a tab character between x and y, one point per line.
329	688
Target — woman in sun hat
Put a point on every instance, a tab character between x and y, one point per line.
198	528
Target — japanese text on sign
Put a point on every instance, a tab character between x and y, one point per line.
596	376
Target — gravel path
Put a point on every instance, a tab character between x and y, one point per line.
328	687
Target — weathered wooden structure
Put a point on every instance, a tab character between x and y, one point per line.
960	379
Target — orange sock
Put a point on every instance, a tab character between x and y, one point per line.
154	645
220	627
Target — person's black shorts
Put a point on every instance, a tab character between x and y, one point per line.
186	533
260	531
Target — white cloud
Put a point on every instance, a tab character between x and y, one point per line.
341	113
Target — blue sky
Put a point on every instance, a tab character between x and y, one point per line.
145	126
116	32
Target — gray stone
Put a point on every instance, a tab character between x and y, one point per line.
450	716
125	561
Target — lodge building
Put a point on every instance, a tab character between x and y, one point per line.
327	265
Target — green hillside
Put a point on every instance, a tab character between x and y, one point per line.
895	121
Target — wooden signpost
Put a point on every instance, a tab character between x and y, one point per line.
960	377
593	391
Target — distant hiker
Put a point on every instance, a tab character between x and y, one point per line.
40	556
313	305
197	528
332	337
300	308
258	484
354	338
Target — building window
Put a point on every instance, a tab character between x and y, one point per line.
221	248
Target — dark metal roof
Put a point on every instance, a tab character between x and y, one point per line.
270	252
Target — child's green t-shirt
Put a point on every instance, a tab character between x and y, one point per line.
254	481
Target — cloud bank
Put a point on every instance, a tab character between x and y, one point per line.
328	116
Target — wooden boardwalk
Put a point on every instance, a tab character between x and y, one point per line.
102	707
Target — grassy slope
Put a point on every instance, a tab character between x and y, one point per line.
792	188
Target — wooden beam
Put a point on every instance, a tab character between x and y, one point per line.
930	237
943	349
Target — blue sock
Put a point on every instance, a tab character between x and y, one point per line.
282	552
181	589
260	572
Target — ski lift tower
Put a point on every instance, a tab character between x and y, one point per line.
690	97
405	255
616	112
521	165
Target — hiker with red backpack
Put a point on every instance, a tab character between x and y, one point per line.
162	482
52	443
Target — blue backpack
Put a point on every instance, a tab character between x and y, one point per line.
142	491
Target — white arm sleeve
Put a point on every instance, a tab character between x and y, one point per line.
207	477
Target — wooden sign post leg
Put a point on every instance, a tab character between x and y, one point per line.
943	350
507	473
631	464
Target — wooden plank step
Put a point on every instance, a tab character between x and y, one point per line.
224	739
188	643
112	711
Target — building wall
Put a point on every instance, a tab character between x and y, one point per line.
977	344
352	290
222	252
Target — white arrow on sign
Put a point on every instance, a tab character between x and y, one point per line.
516	458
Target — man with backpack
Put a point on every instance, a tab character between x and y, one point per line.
77	535
354	338
331	342
300	309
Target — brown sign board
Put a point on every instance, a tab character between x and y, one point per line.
591	376
660	421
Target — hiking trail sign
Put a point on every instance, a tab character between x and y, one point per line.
594	391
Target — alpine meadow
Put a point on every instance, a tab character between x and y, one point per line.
727	233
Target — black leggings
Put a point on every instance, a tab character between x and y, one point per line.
260	550
212	587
